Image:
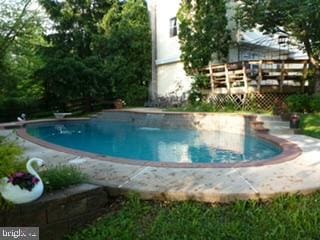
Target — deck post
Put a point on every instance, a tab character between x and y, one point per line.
282	76
227	77
245	79
304	75
211	77
259	77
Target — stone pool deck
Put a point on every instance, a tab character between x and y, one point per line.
301	175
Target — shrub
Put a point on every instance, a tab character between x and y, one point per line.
200	82
299	103
315	103
61	176
10	162
200	107
10	158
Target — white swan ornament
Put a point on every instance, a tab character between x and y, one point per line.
15	194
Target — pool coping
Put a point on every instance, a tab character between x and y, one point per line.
290	150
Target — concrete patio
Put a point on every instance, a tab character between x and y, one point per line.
301	175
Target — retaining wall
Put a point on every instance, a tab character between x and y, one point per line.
60	213
202	121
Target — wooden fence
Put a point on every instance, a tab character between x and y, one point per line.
11	110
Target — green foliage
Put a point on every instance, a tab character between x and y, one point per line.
315	103
72	78
20	36
298	103
62	176
199	107
287	217
10	158
74	67
297	18
228	106
202	33
5	205
200	82
128	35
10	162
101	49
310	125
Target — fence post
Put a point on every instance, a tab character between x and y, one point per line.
259	77
211	77
245	79
282	76
227	77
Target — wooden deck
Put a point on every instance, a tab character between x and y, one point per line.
264	76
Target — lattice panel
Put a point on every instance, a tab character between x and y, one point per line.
248	102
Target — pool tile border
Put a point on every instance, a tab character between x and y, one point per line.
290	151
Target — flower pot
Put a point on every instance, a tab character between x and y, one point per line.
118	104
16	195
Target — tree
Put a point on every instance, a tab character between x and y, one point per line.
202	33
128	61
20	36
297	18
75	24
98	48
74	64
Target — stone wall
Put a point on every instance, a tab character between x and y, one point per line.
60	213
239	124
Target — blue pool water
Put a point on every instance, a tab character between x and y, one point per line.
126	140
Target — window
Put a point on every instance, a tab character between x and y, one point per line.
173	27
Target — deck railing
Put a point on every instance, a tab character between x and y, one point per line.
258	76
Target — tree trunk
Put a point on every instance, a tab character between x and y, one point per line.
314	84
88	104
314	65
317	80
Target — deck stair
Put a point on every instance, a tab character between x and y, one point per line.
275	124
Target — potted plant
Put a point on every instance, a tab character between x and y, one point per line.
23	187
119	103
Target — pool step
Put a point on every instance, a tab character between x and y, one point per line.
258	126
268	118
276	125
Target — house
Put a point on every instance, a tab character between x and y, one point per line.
168	76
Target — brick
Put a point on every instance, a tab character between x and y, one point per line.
34	219
75	208
57	196
80	190
2	219
12	217
96	202
55	231
61	212
56	212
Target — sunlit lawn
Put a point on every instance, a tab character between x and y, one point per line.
311	125
289	217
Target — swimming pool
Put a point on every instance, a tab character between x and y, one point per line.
154	144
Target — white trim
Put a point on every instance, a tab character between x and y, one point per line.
168	60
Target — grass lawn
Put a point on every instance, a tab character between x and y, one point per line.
288	217
311	125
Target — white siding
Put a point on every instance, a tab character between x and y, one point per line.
172	80
167	47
